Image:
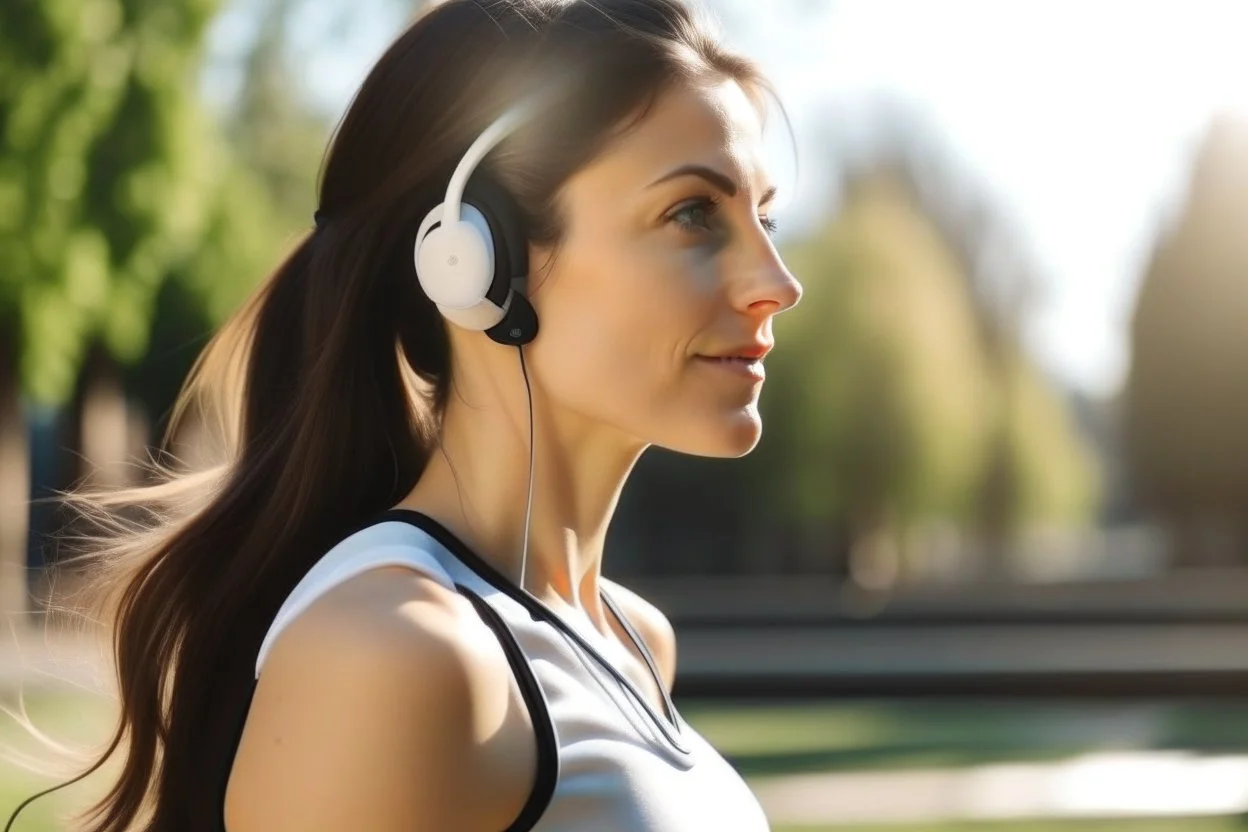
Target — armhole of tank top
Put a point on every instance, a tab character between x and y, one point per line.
539	714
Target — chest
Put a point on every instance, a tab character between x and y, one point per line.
621	787
623	764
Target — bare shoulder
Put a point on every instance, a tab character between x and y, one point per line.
370	713
651	624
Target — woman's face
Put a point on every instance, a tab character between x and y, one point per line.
658	305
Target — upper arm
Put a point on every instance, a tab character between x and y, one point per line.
652	625
362	719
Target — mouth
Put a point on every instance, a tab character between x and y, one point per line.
742	365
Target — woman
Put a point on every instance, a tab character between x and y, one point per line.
386	611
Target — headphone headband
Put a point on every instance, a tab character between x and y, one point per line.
503	126
471	257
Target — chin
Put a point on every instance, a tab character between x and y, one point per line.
743	436
727	436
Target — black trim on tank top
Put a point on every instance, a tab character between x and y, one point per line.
640	642
543	727
540	612
539	713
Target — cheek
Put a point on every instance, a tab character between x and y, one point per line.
615	330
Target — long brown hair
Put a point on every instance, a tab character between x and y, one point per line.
326	388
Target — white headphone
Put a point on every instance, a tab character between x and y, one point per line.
472	259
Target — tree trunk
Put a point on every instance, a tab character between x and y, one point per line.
95	444
98	428
14	485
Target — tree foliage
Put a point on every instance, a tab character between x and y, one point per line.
886	407
879	374
105	167
270	143
1187	393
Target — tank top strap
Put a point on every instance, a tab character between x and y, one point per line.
378	545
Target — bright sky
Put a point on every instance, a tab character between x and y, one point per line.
1079	117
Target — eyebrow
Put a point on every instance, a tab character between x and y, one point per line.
718	180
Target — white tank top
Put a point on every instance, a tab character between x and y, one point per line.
607	760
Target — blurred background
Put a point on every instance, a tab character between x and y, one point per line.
988	568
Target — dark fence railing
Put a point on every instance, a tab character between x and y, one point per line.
1184	635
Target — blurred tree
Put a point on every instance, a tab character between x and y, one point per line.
878	387
273	139
15	468
272	127
1014	489
1040	471
1186	398
102	186
241	242
886	408
102	174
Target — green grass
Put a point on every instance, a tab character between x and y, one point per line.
815	736
76	720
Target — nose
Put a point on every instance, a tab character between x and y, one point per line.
768	288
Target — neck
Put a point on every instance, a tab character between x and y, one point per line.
477	482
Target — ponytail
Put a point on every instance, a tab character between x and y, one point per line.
334	430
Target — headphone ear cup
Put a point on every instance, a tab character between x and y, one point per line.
475	270
456	265
519	324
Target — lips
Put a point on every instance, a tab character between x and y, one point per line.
754	351
742	365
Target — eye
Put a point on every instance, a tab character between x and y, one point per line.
694	216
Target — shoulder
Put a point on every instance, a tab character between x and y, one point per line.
368	712
651	624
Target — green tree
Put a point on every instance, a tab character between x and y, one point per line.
241	241
272	126
269	150
880	380
102	173
1186	399
102	184
886	407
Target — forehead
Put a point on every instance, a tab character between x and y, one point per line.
713	124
